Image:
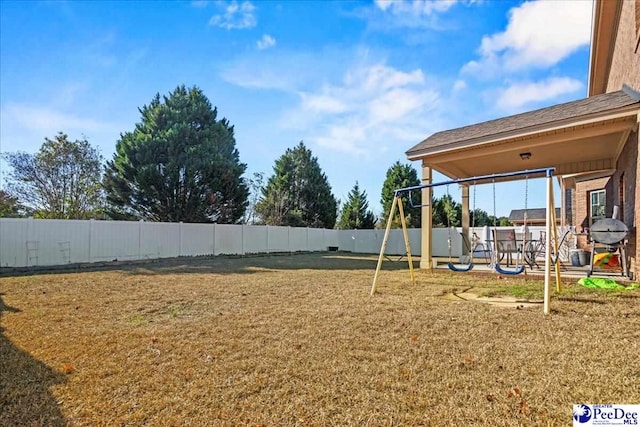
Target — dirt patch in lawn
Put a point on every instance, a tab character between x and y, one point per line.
298	341
505	301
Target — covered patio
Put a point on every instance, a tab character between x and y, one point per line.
582	140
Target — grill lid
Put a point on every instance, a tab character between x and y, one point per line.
608	231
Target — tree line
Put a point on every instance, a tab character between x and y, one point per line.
180	163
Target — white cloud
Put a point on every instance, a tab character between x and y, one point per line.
389	15
459	85
266	42
25	126
384	4
275	71
284	70
374	107
47	120
199	3
322	103
344	100
414	7
539	34
382	77
395	104
236	16
523	93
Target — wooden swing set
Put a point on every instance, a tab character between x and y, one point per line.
551	229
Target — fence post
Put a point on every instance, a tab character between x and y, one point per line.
324	240
140	238
180	238
29	241
91	221
242	243
487	237
214	239
267	249
355	240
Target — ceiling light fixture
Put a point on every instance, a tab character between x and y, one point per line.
525	156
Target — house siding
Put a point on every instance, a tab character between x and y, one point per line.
625	61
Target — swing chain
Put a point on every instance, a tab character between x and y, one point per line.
473	219
448	224
495	223
526	199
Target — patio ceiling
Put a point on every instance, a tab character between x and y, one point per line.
579	137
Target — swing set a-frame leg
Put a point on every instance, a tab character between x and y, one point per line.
405	233
556	247
396	202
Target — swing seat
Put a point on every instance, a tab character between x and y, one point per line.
460	268
513	272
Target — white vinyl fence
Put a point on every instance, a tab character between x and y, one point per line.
26	242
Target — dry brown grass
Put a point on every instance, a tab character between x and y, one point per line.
298	341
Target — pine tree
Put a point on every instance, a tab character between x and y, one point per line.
401	176
179	164
446	212
355	213
298	193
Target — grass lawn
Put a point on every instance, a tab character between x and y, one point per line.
296	340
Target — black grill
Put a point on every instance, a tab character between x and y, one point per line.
610	234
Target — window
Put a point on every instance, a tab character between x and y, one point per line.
596	207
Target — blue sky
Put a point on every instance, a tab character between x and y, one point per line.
358	82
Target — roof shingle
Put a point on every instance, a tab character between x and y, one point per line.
556	113
533	214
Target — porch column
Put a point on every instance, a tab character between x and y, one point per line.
563	203
465	218
426	261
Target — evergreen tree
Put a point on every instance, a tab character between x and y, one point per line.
446	212
480	218
401	176
179	164
61	180
298	193
503	221
355	213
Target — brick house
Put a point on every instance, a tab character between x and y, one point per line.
592	143
615	61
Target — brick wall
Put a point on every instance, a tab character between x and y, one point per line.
625	63
627	168
625	68
581	195
634	240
